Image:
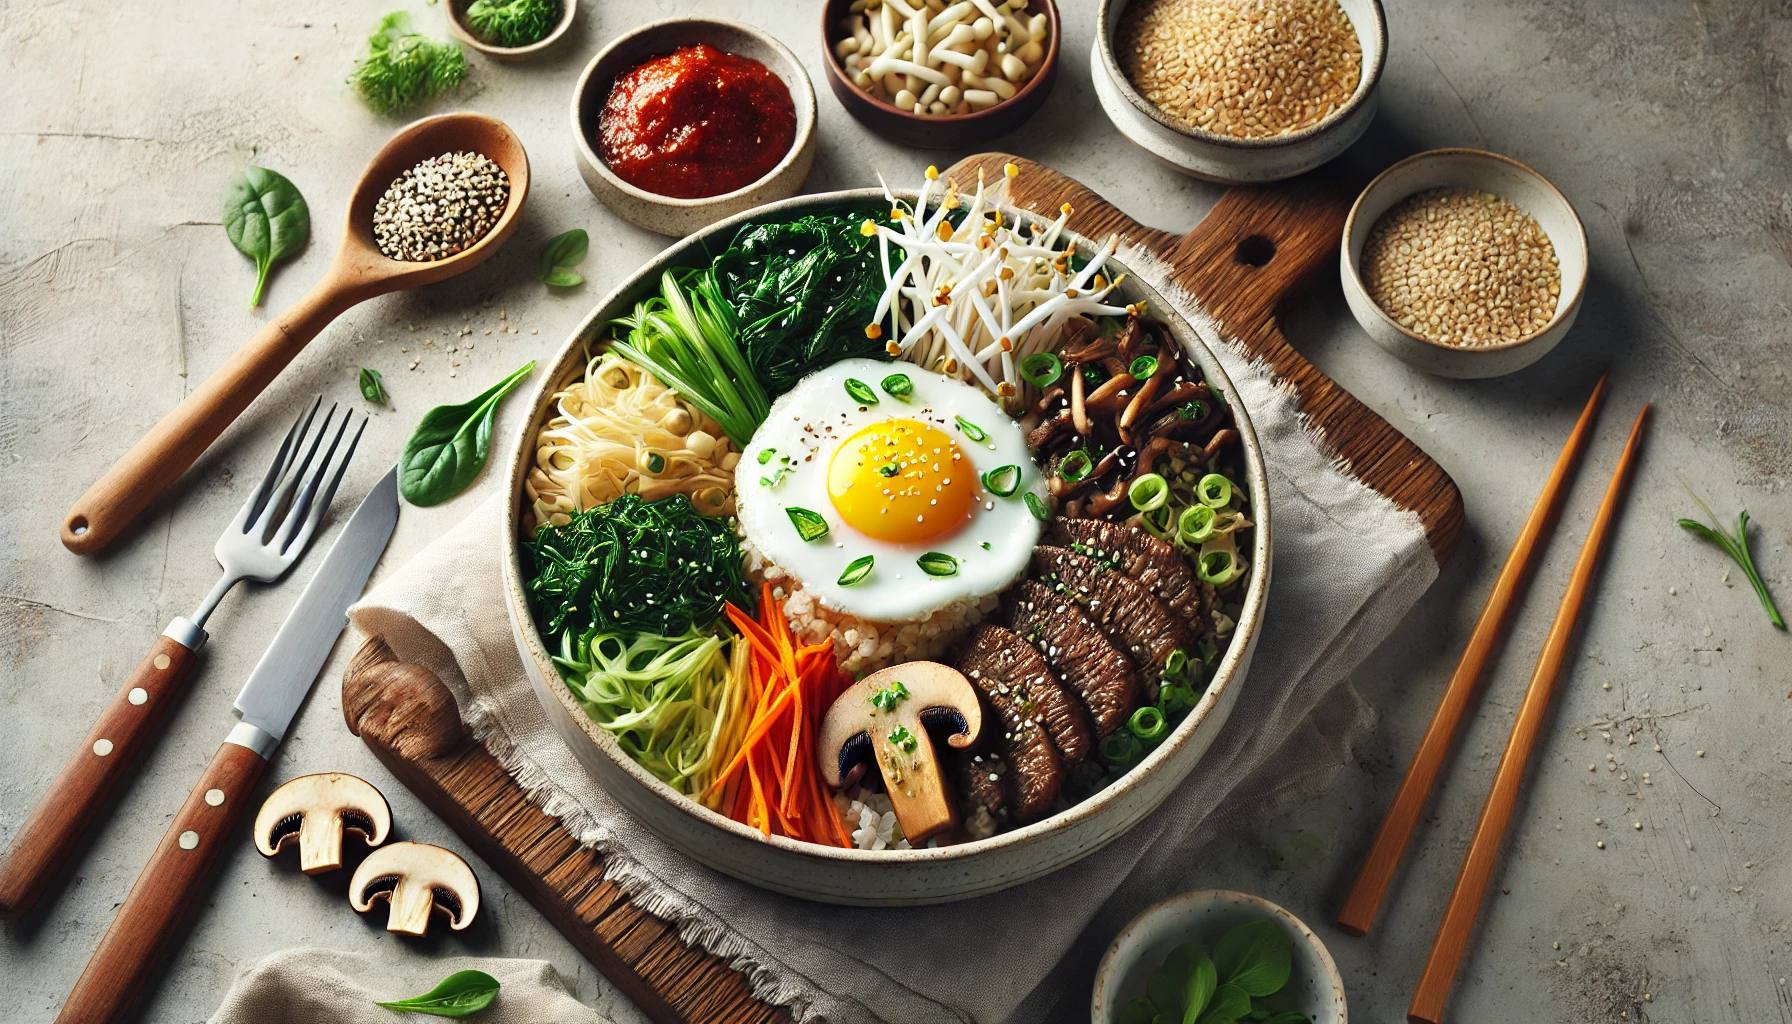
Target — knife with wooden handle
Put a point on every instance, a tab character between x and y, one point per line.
150	922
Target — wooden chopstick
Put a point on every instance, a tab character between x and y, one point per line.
1415	790
1483	850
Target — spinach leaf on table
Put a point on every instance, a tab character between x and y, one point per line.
450	445
459	995
561	253
372	387
266	218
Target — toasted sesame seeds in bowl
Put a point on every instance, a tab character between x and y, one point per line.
1464	263
1240	90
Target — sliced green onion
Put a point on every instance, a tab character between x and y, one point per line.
809	525
971	430
1148	492
1218	567
888	469
656	463
1147	724
1036	505
1192	409
1210	653
1195	525
899	387
1121	750
765	455
938	563
1214	490
1144	367
1075	466
856	571
1002	480
861	392
1176	664
1177	700
1042	369
1219	401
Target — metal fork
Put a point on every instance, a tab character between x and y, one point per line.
266	538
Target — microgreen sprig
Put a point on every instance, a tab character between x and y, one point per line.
1736	546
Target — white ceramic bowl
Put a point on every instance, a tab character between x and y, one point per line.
1489	172
1223	158
886	877
1316	985
668	215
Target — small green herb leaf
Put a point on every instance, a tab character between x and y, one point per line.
1256	957
903	740
372	388
899	387
889	469
266	218
1002	481
890	696
1228	1004
459	995
1183	985
765	455
1193	409
861	392
561	252
937	563
809	525
450	445
1036	505
1737	548
971	430
403	67
856	570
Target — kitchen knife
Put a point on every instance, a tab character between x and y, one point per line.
119	976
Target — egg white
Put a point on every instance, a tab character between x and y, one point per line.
810	421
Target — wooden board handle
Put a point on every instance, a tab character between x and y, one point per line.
47	843
174	444
121	974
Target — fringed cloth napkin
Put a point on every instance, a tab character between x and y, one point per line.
1348	566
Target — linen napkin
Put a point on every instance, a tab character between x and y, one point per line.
310	985
1347	566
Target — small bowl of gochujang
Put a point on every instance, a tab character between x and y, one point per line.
684	122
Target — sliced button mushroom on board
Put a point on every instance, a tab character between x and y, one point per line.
417	879
319	809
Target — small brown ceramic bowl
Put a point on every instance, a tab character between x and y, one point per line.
457	26
951	131
670	215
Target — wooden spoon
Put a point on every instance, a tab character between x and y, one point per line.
359	273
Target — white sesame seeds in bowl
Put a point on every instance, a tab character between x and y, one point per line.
1464	263
1240	91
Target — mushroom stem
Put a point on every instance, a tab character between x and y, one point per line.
1079	411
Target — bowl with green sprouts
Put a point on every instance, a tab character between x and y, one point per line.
887	547
510	29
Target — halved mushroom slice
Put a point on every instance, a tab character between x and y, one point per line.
318	809
416	878
884	717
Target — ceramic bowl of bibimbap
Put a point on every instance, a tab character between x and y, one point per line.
886	548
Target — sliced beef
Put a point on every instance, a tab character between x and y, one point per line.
1064	718
1152	562
1006	671
979	781
1078	651
1143	627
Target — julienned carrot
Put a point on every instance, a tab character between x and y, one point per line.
789	690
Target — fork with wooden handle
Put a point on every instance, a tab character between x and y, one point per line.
265	539
1483	850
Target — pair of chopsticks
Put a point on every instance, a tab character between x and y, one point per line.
1396	829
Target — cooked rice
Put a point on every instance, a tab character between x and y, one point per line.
861	645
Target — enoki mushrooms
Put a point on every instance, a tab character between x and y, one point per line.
619	431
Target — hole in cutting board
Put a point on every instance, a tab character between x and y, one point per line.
1255	251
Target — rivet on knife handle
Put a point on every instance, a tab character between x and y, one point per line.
50	839
151	921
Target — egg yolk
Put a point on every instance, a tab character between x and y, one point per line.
901	481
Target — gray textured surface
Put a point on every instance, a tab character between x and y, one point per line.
1668	125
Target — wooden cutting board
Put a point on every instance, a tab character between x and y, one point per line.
1251	251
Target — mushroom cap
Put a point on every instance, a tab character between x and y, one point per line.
318	809
425	878
932	687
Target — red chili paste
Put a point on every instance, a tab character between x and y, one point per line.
697	122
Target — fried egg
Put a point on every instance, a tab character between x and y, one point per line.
890	491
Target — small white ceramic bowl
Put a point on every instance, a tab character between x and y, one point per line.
668	215
1489	172
1223	158
457	12
1316	986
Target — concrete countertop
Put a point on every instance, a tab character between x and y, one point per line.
1668	126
